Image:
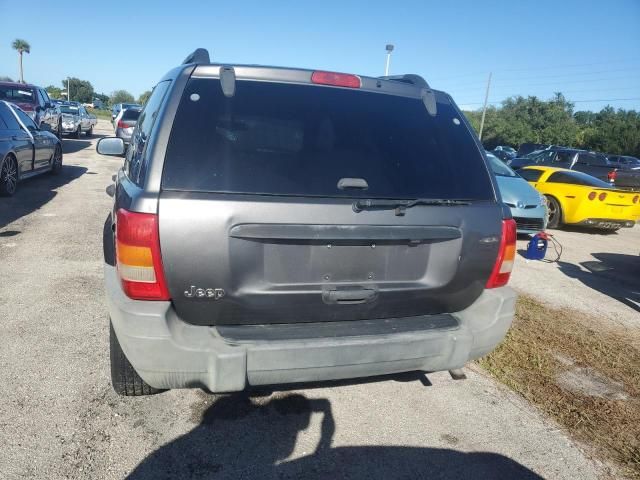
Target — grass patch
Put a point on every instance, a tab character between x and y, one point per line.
103	114
544	343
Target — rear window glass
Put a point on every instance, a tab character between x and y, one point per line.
530	174
131	114
17	94
576	178
284	139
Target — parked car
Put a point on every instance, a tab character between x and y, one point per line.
624	162
277	225
528	147
35	102
528	207
592	163
578	199
76	120
125	123
25	150
118	107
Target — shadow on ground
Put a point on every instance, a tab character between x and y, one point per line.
613	274
243	437
35	192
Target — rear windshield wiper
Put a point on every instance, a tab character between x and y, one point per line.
401	205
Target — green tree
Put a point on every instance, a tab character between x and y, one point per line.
54	92
121	96
79	90
21	46
142	99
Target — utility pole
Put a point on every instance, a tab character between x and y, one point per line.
484	109
69	94
386	67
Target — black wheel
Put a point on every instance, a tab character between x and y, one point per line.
555	212
124	378
76	134
8	176
56	162
89	132
59	130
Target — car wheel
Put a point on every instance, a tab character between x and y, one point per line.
56	163
59	131
555	212
89	132
8	176
75	134
124	378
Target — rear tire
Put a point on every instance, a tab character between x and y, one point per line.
76	134
124	378
59	131
56	165
8	176
555	212
89	132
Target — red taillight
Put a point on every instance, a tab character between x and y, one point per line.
138	256
336	79
612	175
635	199
122	124
592	196
506	256
602	196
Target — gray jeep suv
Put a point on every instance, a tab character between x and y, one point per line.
278	225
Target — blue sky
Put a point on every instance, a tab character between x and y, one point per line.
590	50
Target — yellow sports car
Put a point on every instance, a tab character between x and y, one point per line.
575	198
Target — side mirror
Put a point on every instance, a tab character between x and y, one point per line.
110	146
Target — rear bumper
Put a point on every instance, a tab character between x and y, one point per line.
170	353
606	223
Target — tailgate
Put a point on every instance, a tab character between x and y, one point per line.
233	261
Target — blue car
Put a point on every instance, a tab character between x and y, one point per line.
528	207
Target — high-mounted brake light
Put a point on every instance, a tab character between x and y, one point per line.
138	256
592	195
506	256
336	79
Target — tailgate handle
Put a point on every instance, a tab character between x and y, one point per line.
355	183
349	297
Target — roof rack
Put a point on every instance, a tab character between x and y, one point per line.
199	55
410	78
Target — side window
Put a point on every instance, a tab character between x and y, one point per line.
3	126
45	95
25	119
41	100
8	118
530	174
561	177
564	157
545	157
82	111
146	120
587	159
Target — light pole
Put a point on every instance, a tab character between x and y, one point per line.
386	67
68	91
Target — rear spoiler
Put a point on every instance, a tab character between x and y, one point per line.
199	55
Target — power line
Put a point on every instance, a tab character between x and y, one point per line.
538	68
571	101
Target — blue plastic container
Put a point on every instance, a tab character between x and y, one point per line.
537	247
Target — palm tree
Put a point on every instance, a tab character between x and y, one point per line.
22	46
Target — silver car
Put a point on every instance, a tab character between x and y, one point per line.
528	207
125	122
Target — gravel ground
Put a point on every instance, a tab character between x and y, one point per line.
59	417
598	274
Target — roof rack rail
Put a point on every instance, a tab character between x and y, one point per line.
410	78
199	55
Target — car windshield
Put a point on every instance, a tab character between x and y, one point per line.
69	109
288	139
499	168
17	94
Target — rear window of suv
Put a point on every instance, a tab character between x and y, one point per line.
288	139
17	94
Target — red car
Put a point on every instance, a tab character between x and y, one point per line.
36	103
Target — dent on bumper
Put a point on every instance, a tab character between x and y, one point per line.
170	353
